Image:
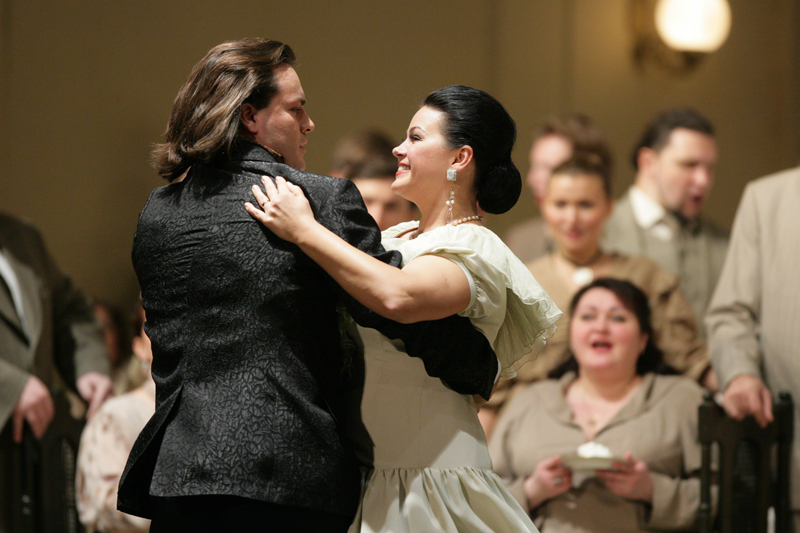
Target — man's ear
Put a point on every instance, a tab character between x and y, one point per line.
645	158
247	115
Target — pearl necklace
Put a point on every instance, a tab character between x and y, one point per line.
584	274
453	223
466	219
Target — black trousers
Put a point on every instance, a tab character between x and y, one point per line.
231	513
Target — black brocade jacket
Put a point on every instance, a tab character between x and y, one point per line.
247	353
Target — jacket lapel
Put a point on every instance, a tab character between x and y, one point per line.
8	311
9	315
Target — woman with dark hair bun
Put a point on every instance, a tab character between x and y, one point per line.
611	444
426	462
477	120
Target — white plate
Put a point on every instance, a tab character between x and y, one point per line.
575	462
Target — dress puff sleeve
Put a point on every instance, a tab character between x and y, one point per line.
506	303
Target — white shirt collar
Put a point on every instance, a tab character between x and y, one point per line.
650	215
13	283
646	211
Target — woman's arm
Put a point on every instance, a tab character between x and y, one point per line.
428	288
450	348
676	499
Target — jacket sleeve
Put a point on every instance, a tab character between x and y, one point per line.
78	339
450	348
12	381
735	308
677	499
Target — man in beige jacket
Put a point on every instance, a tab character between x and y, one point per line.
755	310
48	336
660	215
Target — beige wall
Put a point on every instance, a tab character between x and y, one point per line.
86	89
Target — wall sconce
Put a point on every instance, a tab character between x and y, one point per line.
678	34
693	25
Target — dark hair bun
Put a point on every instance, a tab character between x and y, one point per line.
474	118
499	187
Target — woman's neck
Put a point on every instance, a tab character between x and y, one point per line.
594	403
434	214
607	389
581	258
578	270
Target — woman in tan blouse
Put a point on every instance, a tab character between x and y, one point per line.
577	204
611	395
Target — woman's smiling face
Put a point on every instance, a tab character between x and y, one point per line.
423	157
575	208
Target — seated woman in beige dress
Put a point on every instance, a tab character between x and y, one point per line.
106	442
577	203
612	445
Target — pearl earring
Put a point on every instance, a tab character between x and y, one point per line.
451	177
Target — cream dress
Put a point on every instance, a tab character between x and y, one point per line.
427	467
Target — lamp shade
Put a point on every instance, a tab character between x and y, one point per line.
693	25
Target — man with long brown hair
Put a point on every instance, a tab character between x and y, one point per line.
249	364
